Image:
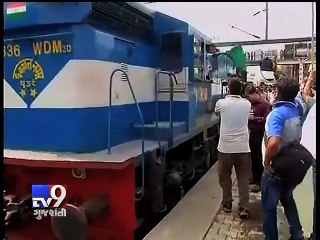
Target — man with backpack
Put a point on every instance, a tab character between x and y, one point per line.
283	126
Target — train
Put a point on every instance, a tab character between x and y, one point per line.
109	104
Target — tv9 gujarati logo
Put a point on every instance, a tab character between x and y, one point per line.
48	200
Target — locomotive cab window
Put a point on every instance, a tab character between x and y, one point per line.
213	68
171	52
199	59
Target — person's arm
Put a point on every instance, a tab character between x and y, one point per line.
303	107
307	94
217	108
250	114
254	118
275	125
262	113
307	90
308	138
265	111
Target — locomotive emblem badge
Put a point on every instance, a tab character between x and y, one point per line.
28	72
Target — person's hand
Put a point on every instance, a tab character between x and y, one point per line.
251	117
268	167
308	89
312	77
260	119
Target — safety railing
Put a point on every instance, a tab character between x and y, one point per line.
140	190
172	77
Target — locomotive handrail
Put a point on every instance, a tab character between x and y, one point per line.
172	77
141	189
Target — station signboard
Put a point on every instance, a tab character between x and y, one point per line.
301	50
273	54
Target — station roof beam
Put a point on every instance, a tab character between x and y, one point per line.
263	42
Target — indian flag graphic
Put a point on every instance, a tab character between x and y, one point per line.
16	9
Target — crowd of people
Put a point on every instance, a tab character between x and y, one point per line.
280	115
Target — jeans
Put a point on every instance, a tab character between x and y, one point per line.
314	204
272	192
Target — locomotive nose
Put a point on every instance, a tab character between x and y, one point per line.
75	225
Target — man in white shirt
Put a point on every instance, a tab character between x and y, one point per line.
234	147
308	140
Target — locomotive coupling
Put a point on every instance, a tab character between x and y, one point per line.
174	178
76	223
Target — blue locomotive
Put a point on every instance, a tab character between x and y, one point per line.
113	100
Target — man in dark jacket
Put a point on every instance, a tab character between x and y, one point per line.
260	110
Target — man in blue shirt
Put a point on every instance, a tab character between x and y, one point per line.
283	125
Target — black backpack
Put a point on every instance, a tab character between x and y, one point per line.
292	163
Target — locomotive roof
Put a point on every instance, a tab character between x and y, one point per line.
146	10
193	29
142	8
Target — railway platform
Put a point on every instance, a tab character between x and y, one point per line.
198	215
230	226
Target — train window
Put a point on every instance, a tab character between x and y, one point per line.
213	68
171	52
199	60
210	48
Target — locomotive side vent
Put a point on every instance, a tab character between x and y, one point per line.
121	18
125	68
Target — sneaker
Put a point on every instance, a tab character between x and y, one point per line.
310	237
243	213
255	188
227	207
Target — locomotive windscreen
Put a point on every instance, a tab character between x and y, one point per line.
123	18
171	52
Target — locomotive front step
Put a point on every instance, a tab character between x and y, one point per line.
162	132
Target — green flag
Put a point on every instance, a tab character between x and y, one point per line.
238	56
